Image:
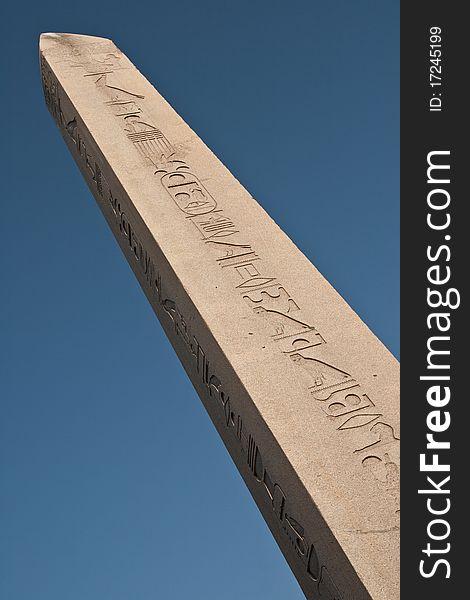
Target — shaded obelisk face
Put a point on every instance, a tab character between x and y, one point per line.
302	393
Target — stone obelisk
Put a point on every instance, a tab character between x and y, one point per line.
305	397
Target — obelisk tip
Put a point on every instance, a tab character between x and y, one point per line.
52	39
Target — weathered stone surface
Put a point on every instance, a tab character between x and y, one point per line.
304	396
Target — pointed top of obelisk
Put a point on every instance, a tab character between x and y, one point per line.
52	40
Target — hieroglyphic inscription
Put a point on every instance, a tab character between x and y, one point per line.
340	397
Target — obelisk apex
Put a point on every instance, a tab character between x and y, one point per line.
304	396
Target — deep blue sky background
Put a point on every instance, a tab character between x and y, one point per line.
101	496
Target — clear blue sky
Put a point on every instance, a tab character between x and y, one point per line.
101	496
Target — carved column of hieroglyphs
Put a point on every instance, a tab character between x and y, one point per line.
305	397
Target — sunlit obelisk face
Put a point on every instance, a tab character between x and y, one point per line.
304	396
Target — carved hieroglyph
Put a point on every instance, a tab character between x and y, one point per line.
305	397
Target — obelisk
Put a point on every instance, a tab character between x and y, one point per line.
305	397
